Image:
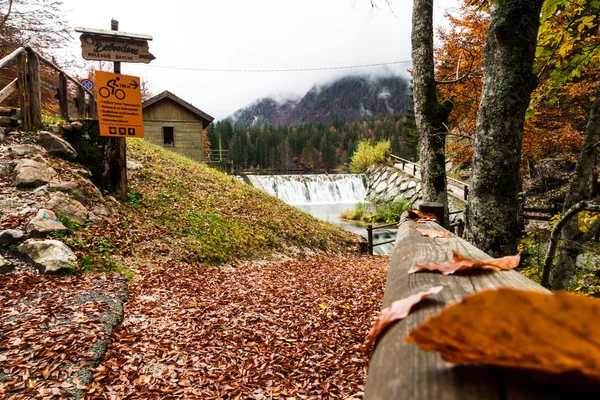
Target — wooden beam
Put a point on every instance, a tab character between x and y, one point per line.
8	90
115	34
81	102
399	370
63	103
12	56
23	90
35	95
58	69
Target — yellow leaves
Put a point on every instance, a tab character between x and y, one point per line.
322	306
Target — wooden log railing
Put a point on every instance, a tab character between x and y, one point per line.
29	85
462	187
400	370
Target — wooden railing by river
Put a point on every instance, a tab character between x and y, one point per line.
399	370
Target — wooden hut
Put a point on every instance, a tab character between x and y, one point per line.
173	123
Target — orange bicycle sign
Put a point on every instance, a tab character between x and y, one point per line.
119	105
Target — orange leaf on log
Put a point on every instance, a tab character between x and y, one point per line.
432	233
413	213
463	263
553	333
398	310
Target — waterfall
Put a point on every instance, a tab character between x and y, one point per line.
314	189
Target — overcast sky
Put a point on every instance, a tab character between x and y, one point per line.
258	34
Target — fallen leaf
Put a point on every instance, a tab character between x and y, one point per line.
550	332
413	213
398	310
434	233
462	263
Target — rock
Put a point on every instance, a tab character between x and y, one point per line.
5	121
11	236
133	166
83	191
67	127
412	184
404	186
55	128
5	265
57	146
76	125
102	210
39	158
45	222
2	135
5	170
72	209
49	256
22	150
5	112
31	174
83	172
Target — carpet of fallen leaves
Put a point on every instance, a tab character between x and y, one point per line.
49	327
293	329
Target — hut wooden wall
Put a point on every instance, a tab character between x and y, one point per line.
187	128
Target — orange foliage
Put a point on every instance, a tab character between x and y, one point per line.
518	328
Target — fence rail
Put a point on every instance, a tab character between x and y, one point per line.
462	188
29	85
370	229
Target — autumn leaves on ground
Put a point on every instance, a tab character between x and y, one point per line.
231	294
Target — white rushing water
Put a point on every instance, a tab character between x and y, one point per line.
315	189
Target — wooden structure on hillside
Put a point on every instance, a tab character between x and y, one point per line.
400	370
173	123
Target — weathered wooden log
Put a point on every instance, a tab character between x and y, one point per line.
8	90
35	94
81	102
400	370
63	100
23	90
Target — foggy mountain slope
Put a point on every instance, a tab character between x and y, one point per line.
349	98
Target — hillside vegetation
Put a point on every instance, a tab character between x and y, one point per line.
182	211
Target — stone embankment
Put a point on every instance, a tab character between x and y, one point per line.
388	184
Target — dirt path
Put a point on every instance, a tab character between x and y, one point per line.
282	330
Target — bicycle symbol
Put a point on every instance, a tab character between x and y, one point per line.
111	88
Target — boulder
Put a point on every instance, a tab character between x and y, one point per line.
5	111
31	174
23	150
76	125
70	208
45	222
49	256
133	166
39	158
57	146
5	121
81	190
11	236
5	170
102	211
5	265
2	135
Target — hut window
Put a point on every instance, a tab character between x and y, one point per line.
168	137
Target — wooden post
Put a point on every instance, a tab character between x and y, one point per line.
370	238
436	209
466	192
63	101
23	90
80	102
34	85
414	169
114	25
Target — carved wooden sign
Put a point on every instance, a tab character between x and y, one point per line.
106	48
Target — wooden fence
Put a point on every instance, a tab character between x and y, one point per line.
457	188
29	87
399	370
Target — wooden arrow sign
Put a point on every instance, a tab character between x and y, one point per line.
106	48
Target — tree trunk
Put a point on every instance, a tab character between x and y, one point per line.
429	115
580	189
508	82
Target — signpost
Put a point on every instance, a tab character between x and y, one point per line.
119	105
87	84
119	96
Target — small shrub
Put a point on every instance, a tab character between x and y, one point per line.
367	155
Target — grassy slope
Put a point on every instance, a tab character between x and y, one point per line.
182	211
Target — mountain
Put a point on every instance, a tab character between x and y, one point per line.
350	98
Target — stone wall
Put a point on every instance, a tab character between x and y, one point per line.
388	184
